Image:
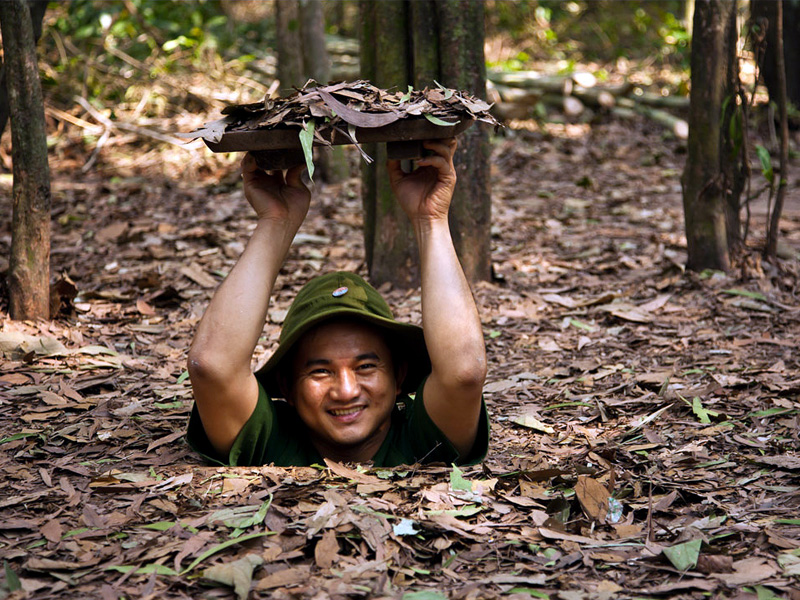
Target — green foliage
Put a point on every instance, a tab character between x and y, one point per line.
766	163
593	30
98	48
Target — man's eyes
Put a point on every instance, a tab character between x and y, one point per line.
323	372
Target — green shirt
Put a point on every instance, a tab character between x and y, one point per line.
275	434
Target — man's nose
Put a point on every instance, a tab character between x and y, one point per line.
346	385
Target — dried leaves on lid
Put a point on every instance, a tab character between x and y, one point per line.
341	105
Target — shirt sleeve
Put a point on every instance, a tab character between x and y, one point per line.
250	446
429	444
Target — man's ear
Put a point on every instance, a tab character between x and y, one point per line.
400	372
285	387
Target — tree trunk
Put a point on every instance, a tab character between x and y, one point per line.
288	45
424	32
704	185
29	264
417	43
463	67
734	137
791	47
771	247
388	237
38	8
330	162
316	63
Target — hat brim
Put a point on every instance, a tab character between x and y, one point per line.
407	342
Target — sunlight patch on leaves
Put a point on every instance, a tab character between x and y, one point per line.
405	527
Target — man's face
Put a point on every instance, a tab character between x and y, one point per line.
344	387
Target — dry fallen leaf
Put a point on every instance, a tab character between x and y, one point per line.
593	497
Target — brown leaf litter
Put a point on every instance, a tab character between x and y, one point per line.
634	406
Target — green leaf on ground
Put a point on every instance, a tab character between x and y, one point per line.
241	517
424	595
12	581
745	293
684	556
703	414
580	325
529	591
763	593
222	546
457	481
18	436
145	570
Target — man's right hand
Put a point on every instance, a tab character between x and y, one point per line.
275	196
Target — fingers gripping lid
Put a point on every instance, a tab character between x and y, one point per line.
345	295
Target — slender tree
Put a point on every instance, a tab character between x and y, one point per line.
38	8
29	264
766	11
288	44
771	247
705	181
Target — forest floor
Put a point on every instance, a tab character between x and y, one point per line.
644	418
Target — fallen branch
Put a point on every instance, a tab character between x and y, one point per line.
121	125
675	124
516	93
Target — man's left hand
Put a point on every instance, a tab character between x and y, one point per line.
426	192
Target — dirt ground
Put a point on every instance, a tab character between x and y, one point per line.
644	418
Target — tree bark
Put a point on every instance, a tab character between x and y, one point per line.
38	8
734	137
418	43
704	197
288	45
29	264
330	162
316	63
463	66
389	239
771	247
791	47
424	34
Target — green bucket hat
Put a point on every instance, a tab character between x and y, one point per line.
343	294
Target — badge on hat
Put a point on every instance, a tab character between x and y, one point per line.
338	292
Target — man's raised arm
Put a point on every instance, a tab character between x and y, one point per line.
225	389
453	333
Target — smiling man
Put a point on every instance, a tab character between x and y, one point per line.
358	385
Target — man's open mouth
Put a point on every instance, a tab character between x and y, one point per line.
343	412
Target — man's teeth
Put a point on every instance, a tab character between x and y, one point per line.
345	411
